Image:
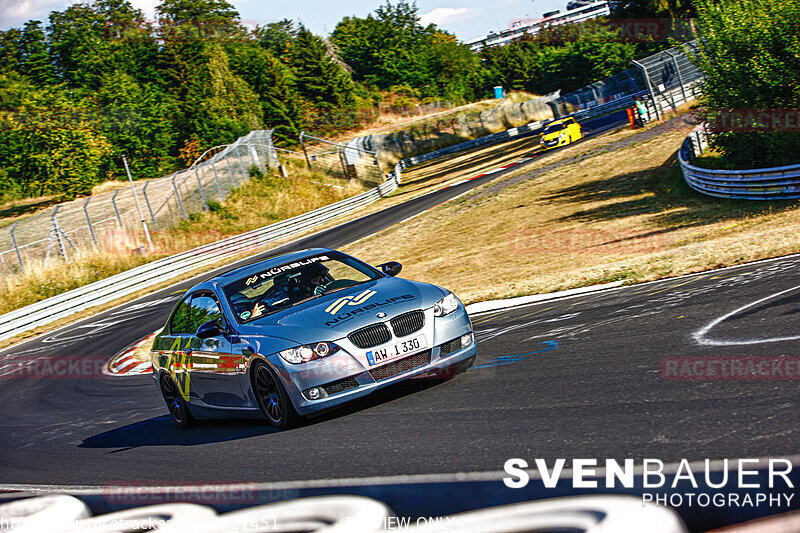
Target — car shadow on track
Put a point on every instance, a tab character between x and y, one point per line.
161	430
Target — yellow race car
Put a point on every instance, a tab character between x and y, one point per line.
560	133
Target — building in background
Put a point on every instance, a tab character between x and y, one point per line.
576	11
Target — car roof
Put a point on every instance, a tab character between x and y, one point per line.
258	266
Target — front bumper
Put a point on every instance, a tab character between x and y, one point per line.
348	379
553	143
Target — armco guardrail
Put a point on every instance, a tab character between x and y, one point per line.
145	276
778	183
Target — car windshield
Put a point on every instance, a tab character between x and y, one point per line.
284	286
554	127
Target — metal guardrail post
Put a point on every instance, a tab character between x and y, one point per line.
202	191
380	170
649	87
116	210
678	72
89	221
305	152
253	156
341	162
242	165
138	207
178	198
149	207
230	171
216	180
16	247
57	231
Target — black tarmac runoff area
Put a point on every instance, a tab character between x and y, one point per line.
702	366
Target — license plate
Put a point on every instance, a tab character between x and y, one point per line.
406	347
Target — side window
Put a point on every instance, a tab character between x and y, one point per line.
205	308
180	320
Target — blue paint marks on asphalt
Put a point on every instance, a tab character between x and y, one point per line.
511	359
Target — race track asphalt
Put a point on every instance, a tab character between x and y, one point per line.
576	377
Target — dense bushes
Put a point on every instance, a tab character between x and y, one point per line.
750	54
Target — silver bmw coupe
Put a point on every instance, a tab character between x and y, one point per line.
297	334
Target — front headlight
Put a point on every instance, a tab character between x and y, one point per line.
306	353
446	305
562	136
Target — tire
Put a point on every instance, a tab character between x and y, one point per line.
176	405
272	398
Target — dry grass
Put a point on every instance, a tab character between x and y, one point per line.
109	186
625	215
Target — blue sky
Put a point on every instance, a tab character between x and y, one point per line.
467	19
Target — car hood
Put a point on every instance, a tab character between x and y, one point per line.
335	315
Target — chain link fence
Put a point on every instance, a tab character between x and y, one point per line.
623	84
353	160
671	75
664	80
113	219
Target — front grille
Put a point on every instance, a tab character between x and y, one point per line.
407	323
403	365
370	336
450	347
342	385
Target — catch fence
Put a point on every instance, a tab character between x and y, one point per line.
112	220
352	160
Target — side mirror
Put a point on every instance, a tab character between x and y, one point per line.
392	268
209	329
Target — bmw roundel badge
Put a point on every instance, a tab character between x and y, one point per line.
381	315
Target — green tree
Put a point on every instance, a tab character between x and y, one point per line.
673	9
749	54
34	61
393	49
9	51
209	18
273	83
138	122
58	148
277	37
567	58
321	78
219	106
90	41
